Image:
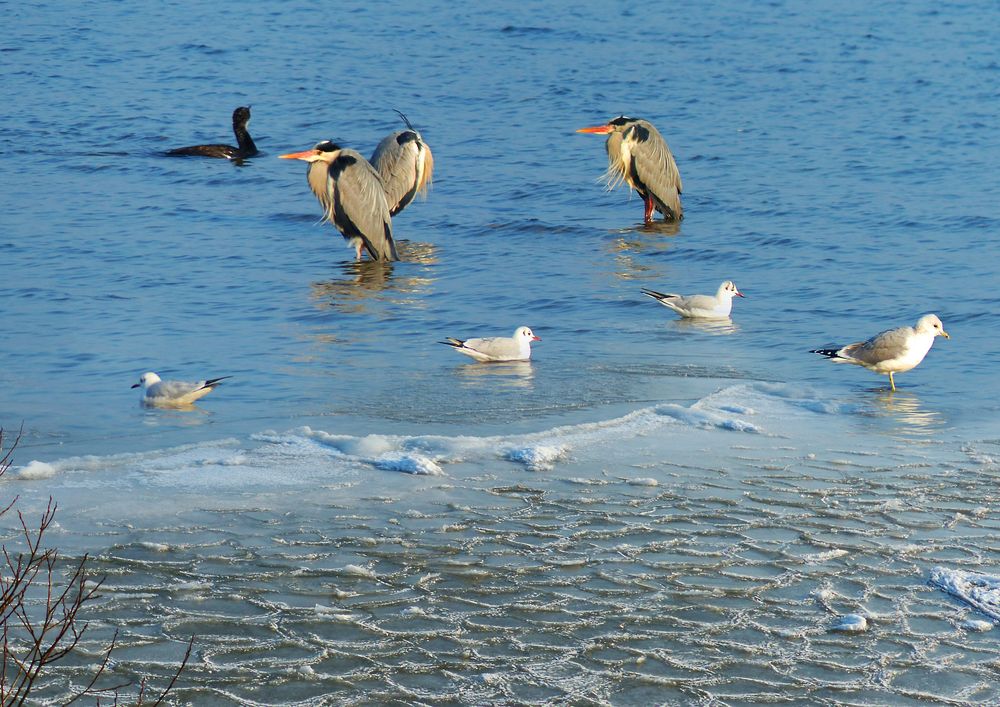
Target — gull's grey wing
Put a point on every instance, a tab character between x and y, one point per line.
654	167
884	346
495	346
169	390
699	302
359	205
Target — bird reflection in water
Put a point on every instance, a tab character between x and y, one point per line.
660	228
362	282
505	374
716	327
644	238
906	410
629	242
189	415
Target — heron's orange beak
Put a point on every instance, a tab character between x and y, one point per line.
305	154
601	129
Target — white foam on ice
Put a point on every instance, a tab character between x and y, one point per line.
981	591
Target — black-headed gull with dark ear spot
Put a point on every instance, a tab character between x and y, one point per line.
161	393
892	351
700	306
497	348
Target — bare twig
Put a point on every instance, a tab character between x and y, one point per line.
40	619
173	680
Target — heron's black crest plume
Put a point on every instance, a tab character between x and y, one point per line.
405	120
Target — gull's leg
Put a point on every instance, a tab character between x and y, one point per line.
892	382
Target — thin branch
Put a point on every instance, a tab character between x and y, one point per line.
40	621
173	680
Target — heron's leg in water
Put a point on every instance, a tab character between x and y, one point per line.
649	209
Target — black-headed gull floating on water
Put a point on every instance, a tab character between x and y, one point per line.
892	351
497	348
716	306
161	393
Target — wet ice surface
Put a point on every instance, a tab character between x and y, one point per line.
660	576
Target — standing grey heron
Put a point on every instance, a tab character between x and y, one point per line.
352	196
638	155
247	148
406	165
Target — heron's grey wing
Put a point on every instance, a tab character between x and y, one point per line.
359	205
395	159
884	346
653	165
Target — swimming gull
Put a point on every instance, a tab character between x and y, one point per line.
717	306
161	393
497	348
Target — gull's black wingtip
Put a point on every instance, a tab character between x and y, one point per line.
214	381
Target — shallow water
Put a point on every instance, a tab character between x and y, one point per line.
649	510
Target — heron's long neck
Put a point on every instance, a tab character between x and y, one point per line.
316	175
